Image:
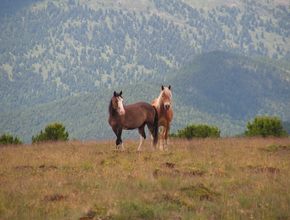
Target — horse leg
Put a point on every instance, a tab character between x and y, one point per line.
151	140
142	136
119	140
151	130
162	133
166	136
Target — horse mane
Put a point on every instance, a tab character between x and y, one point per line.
111	109
167	92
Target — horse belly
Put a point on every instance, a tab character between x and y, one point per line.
133	123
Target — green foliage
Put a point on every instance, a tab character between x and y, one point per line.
8	139
286	126
53	132
272	147
197	131
265	126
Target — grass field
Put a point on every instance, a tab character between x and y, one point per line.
195	179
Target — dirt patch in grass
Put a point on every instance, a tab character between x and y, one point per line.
169	165
176	200
97	212
172	172
56	197
284	148
260	169
191	171
23	167
200	191
275	147
52	167
162	172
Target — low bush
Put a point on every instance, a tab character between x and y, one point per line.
197	131
265	126
53	132
9	139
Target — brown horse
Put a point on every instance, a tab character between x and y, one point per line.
133	116
165	113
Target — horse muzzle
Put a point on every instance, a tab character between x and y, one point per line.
167	106
122	112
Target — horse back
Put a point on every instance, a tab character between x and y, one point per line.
138	114
154	102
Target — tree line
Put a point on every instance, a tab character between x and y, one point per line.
263	126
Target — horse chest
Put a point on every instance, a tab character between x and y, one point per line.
162	121
115	121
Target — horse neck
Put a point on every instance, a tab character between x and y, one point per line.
159	102
111	109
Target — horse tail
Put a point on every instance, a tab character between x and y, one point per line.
155	127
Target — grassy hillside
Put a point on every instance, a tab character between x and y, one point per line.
52	49
196	179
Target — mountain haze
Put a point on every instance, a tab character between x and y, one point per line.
53	49
217	88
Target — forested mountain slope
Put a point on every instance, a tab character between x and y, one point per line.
235	85
217	88
52	49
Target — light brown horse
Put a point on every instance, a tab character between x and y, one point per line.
165	113
133	116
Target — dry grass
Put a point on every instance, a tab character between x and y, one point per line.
196	179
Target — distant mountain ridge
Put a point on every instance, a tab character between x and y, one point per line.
52	49
217	88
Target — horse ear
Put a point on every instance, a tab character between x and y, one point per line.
162	87
121	93
169	87
115	93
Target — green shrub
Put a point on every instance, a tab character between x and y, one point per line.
8	139
197	131
265	126
53	132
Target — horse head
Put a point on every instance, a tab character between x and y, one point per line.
165	97
117	103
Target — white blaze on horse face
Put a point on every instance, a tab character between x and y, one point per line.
164	98
121	109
